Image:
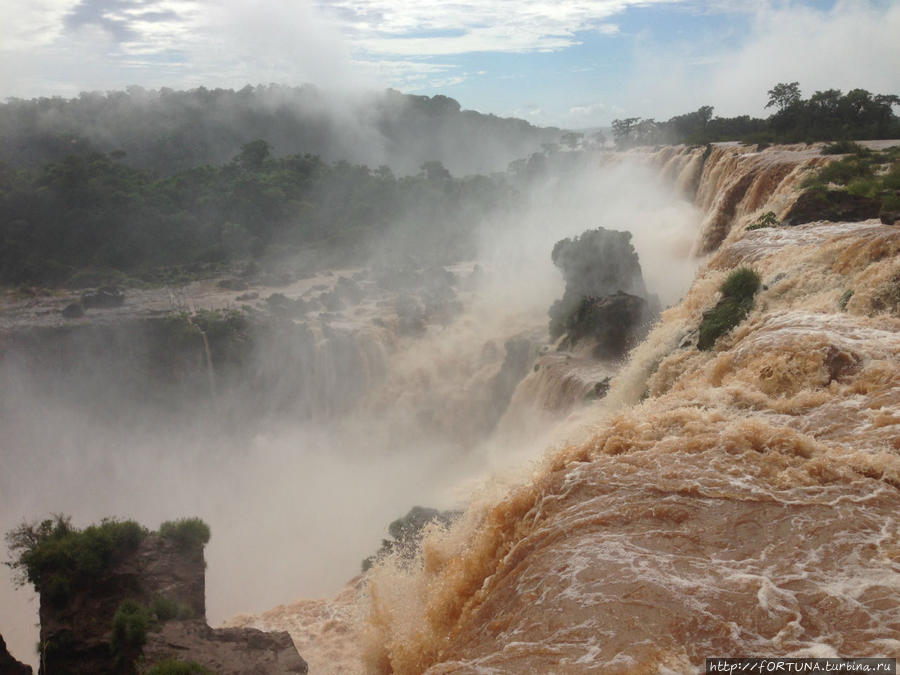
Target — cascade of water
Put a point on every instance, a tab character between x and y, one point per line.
747	505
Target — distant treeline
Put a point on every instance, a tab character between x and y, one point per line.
91	219
169	130
825	116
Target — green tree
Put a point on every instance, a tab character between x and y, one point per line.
624	131
784	95
253	154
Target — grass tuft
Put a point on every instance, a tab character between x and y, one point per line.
186	532
737	290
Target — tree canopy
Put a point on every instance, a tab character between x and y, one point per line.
826	115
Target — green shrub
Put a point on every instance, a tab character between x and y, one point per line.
55	556
845	170
129	630
768	219
844	299
186	532
891	180
176	667
864	187
737	290
843	148
875	175
220	323
741	284
167	609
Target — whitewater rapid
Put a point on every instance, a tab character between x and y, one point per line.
733	502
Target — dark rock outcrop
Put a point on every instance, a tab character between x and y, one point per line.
832	205
225	651
102	298
74	310
615	324
521	351
406	533
165	577
9	665
76	633
605	300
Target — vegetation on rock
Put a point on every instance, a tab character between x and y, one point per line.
737	291
865	174
55	556
186	532
768	219
177	667
406	533
130	624
595	264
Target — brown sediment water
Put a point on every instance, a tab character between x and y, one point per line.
741	501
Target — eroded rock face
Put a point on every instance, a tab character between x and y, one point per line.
77	632
600	262
605	300
9	665
832	205
226	651
615	323
406	533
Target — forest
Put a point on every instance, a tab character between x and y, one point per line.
90	219
141	187
828	115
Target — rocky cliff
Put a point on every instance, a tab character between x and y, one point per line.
9	665
140	605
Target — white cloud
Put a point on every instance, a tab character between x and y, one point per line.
32	23
855	44
593	110
852	46
435	27
67	47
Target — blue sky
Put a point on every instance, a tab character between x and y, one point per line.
573	63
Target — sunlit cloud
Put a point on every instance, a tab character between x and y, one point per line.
852	45
67	46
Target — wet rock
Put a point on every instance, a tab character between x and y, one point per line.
831	205
598	263
279	303
406	532
599	390
226	651
160	572
348	291
9	665
410	316
521	352
615	323
247	297
331	301
76	629
689	340
840	363
233	284
74	310
890	217
103	298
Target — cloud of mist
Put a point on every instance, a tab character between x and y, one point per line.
626	195
66	48
295	503
852	45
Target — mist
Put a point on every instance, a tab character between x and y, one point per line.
340	421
